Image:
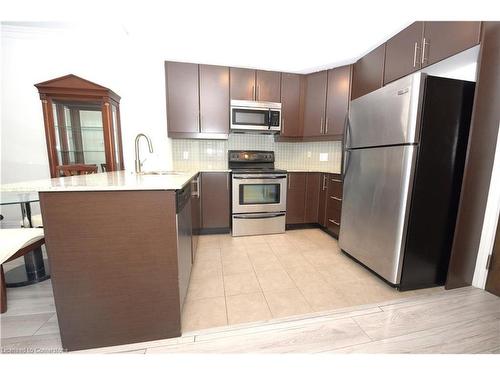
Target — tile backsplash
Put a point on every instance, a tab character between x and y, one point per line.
204	154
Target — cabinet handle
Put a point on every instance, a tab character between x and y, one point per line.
336	180
253	92
227	181
326	125
283	125
321	125
337	199
289	180
324	182
334	222
415	55
424	43
258	92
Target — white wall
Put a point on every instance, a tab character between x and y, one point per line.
108	57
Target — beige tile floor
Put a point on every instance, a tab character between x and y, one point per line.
246	279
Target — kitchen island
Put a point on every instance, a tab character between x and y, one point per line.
118	273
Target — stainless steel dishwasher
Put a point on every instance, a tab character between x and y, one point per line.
184	238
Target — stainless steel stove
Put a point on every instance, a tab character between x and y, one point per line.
259	193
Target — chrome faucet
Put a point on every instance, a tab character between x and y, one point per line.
138	163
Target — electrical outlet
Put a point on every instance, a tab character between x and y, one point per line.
323	156
309	154
185	155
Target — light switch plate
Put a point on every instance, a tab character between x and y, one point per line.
309	154
185	155
323	156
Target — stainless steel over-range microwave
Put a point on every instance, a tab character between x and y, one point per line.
252	116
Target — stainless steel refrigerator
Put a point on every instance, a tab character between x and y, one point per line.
405	150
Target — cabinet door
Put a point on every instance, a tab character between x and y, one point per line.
313	182
242	84
368	72
295	198
268	86
323	194
315	103
403	52
195	214
447	38
292	86
337	102
214	99
182	97
215	200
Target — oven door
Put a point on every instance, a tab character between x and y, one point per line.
259	193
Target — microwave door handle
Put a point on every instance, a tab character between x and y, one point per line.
269	120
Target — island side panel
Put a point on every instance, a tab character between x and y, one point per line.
113	260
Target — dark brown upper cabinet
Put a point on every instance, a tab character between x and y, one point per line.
315	104
214	99
268	86
296	198
368	72
242	84
403	52
215	203
183	114
337	102
447	38
82	124
292	88
197	100
250	84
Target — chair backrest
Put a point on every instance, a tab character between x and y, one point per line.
104	167
76	169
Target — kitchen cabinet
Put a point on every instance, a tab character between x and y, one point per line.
323	195
183	114
334	204
268	86
250	84
195	214
214	99
215	203
447	38
315	104
337	102
242	84
292	90
403	52
82	124
368	72
313	182
296	197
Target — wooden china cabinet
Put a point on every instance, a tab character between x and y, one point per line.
82	124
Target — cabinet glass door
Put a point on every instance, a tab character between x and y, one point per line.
79	133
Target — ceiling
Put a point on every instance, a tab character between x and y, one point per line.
293	36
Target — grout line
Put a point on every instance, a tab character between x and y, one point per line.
43	324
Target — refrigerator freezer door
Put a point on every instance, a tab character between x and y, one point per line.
387	116
377	189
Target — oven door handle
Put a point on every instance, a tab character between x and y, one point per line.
259	178
264	216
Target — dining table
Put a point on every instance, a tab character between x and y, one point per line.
35	268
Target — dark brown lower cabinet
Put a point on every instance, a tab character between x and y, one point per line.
313	180
323	194
215	205
195	214
334	204
296	197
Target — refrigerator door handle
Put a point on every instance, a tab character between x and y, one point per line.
346	163
347	130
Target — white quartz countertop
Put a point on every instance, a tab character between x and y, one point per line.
110	181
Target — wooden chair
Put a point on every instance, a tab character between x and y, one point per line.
15	243
76	169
